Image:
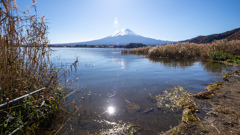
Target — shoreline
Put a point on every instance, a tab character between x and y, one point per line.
224	115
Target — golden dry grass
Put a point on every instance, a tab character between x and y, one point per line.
189	50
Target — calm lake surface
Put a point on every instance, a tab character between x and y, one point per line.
113	80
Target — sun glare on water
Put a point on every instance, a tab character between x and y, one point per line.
111	110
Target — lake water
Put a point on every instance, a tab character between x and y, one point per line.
113	80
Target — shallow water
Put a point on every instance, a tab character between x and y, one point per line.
115	80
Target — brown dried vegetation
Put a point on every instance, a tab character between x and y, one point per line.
216	50
25	66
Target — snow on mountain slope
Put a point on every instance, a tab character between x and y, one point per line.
124	32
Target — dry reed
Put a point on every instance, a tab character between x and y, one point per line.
191	50
25	66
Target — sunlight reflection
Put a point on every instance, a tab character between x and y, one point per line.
120	62
111	110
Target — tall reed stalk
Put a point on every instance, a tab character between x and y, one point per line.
25	66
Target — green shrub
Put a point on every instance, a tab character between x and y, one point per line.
234	59
217	55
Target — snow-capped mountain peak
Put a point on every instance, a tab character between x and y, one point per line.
124	32
123	37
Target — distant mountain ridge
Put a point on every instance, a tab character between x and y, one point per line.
123	37
229	35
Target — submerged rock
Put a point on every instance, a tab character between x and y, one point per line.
132	108
148	109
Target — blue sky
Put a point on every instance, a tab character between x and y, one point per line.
173	20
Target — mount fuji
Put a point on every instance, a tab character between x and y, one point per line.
123	37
